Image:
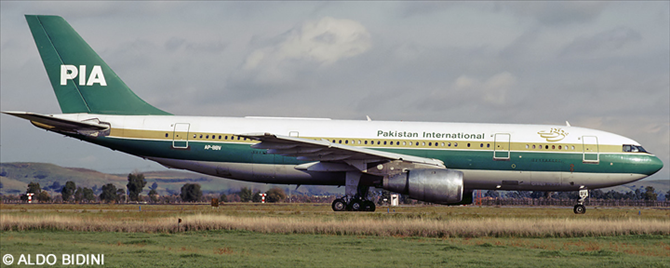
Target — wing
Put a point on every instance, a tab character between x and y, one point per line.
328	153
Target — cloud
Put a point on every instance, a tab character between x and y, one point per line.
416	8
557	13
493	91
321	43
296	60
213	47
521	46
601	42
465	89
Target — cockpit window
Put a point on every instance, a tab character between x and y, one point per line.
633	149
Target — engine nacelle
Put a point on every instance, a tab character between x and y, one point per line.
441	186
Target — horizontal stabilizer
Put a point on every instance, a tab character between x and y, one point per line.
50	122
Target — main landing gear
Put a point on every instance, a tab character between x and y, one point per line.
579	208
352	204
355	193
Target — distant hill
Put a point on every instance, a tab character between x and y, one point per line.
16	176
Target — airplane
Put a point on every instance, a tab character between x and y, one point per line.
434	162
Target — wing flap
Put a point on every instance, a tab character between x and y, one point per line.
322	150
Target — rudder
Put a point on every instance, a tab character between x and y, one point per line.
82	81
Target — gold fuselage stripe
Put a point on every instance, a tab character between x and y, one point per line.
375	143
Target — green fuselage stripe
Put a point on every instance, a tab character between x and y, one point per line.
241	152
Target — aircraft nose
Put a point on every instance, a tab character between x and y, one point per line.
653	166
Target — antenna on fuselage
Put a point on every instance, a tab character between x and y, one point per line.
567	123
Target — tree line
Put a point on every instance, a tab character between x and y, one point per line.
647	193
109	193
191	192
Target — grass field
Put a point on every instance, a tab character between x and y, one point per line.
307	235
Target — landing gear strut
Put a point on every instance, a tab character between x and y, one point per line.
579	208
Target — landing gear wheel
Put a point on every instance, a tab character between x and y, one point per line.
580	209
356	205
368	205
339	205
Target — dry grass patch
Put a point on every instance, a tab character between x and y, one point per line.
407	227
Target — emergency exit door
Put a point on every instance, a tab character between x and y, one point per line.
180	135
501	146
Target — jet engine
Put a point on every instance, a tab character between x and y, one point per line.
441	186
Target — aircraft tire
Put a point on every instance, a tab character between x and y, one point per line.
339	205
580	209
369	205
357	205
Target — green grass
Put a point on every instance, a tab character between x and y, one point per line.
286	245
249	249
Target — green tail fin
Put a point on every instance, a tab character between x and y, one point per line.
81	79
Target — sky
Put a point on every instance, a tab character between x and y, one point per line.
602	65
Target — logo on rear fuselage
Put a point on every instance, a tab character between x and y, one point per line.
70	72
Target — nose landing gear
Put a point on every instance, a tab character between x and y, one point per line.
579	208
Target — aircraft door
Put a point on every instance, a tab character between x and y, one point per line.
501	146
590	149
180	135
